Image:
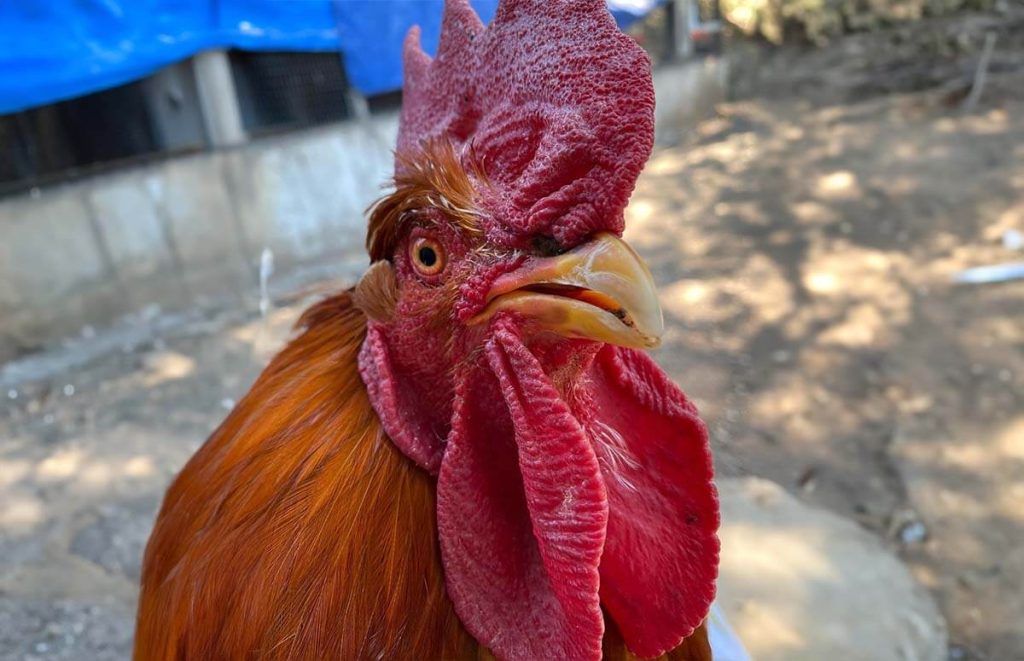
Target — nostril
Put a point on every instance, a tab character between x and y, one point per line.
547	246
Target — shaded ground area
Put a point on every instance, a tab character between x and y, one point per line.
805	256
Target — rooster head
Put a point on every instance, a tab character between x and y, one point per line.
507	322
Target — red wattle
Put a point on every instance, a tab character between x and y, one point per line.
661	553
522	513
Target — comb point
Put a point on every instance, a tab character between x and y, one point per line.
415	60
459	27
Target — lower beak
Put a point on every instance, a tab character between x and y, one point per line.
601	291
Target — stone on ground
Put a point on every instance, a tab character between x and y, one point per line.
801	583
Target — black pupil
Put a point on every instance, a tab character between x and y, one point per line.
427	256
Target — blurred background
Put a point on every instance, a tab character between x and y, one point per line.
834	212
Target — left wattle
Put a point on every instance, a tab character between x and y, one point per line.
522	512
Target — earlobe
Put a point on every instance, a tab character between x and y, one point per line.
400	411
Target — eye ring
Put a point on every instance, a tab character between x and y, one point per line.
427	256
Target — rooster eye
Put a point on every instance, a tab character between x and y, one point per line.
427	256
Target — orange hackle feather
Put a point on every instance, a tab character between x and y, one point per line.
298	531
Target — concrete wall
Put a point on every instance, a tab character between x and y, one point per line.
185	230
190	230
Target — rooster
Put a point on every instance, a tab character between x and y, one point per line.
467	455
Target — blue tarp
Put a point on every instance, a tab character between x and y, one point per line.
58	49
372	31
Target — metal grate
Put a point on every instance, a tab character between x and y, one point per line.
72	135
153	116
278	90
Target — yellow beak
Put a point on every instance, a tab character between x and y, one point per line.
601	290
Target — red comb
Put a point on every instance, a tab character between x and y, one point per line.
552	101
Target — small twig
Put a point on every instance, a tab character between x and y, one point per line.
981	73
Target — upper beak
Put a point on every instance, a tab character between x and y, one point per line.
601	290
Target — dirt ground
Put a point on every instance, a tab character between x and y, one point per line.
805	254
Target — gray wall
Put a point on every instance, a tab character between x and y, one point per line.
185	230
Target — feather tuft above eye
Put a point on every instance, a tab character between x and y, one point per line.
434	177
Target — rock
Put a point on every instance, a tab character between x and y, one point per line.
914	532
802	583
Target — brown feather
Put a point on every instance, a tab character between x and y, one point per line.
298	531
